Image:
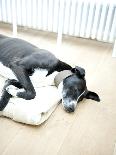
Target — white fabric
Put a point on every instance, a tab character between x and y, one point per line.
34	111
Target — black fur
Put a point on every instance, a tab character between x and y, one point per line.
23	58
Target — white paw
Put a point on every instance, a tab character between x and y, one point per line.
13	90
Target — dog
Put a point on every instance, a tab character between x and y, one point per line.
24	59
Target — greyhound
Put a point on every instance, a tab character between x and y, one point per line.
23	59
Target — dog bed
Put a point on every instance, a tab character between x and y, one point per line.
37	110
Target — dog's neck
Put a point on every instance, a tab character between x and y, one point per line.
61	76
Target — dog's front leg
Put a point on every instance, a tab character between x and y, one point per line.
25	81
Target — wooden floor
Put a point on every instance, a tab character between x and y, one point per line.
91	130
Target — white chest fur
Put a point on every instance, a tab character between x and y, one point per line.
38	78
6	72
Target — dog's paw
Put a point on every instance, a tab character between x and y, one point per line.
13	90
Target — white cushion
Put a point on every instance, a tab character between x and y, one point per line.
34	111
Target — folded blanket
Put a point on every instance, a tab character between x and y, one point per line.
34	111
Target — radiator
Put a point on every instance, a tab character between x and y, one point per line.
86	19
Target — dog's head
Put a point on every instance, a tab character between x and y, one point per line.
73	89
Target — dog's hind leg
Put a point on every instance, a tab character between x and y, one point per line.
25	82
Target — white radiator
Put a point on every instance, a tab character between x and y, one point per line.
95	20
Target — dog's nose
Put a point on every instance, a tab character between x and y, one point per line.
71	108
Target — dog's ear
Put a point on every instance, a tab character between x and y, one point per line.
79	71
92	95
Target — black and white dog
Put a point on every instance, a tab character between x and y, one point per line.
24	59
